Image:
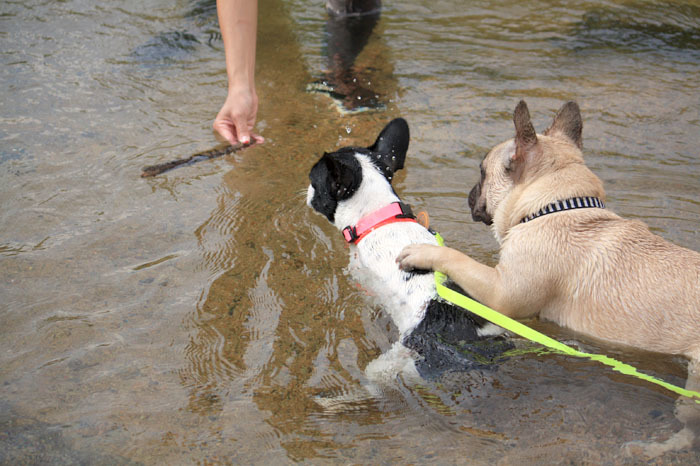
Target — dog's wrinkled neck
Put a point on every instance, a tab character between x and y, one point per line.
575	182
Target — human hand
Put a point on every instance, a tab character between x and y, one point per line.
236	119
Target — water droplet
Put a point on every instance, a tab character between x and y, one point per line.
348	129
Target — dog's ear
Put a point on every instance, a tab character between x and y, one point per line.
344	175
389	150
568	123
525	135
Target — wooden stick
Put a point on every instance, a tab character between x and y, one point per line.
153	170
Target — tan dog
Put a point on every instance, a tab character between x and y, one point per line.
567	259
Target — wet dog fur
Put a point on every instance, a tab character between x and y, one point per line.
353	182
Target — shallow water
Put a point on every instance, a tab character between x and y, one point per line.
193	317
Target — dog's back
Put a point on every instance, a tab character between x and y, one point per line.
620	282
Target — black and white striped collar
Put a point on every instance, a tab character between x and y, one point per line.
568	204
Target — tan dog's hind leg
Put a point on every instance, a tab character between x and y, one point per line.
687	411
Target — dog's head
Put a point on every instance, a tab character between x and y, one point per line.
526	157
357	180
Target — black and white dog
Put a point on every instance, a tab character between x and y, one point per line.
352	188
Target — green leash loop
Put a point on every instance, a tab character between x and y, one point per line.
524	331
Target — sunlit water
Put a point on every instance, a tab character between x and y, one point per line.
194	317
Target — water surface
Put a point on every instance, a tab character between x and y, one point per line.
193	317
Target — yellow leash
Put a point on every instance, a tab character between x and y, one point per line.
533	335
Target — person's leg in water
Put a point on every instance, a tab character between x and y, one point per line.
348	29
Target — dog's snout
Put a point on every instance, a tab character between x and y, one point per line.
479	213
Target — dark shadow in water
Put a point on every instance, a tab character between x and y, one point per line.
200	27
166	47
202	11
346	83
640	27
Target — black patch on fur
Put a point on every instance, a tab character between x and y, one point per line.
337	175
447	340
408	274
335	178
388	153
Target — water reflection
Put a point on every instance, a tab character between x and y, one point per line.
345	82
270	326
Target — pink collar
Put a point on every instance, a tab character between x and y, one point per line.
394	212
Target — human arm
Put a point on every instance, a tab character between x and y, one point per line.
238	24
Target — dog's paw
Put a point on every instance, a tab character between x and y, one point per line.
418	257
